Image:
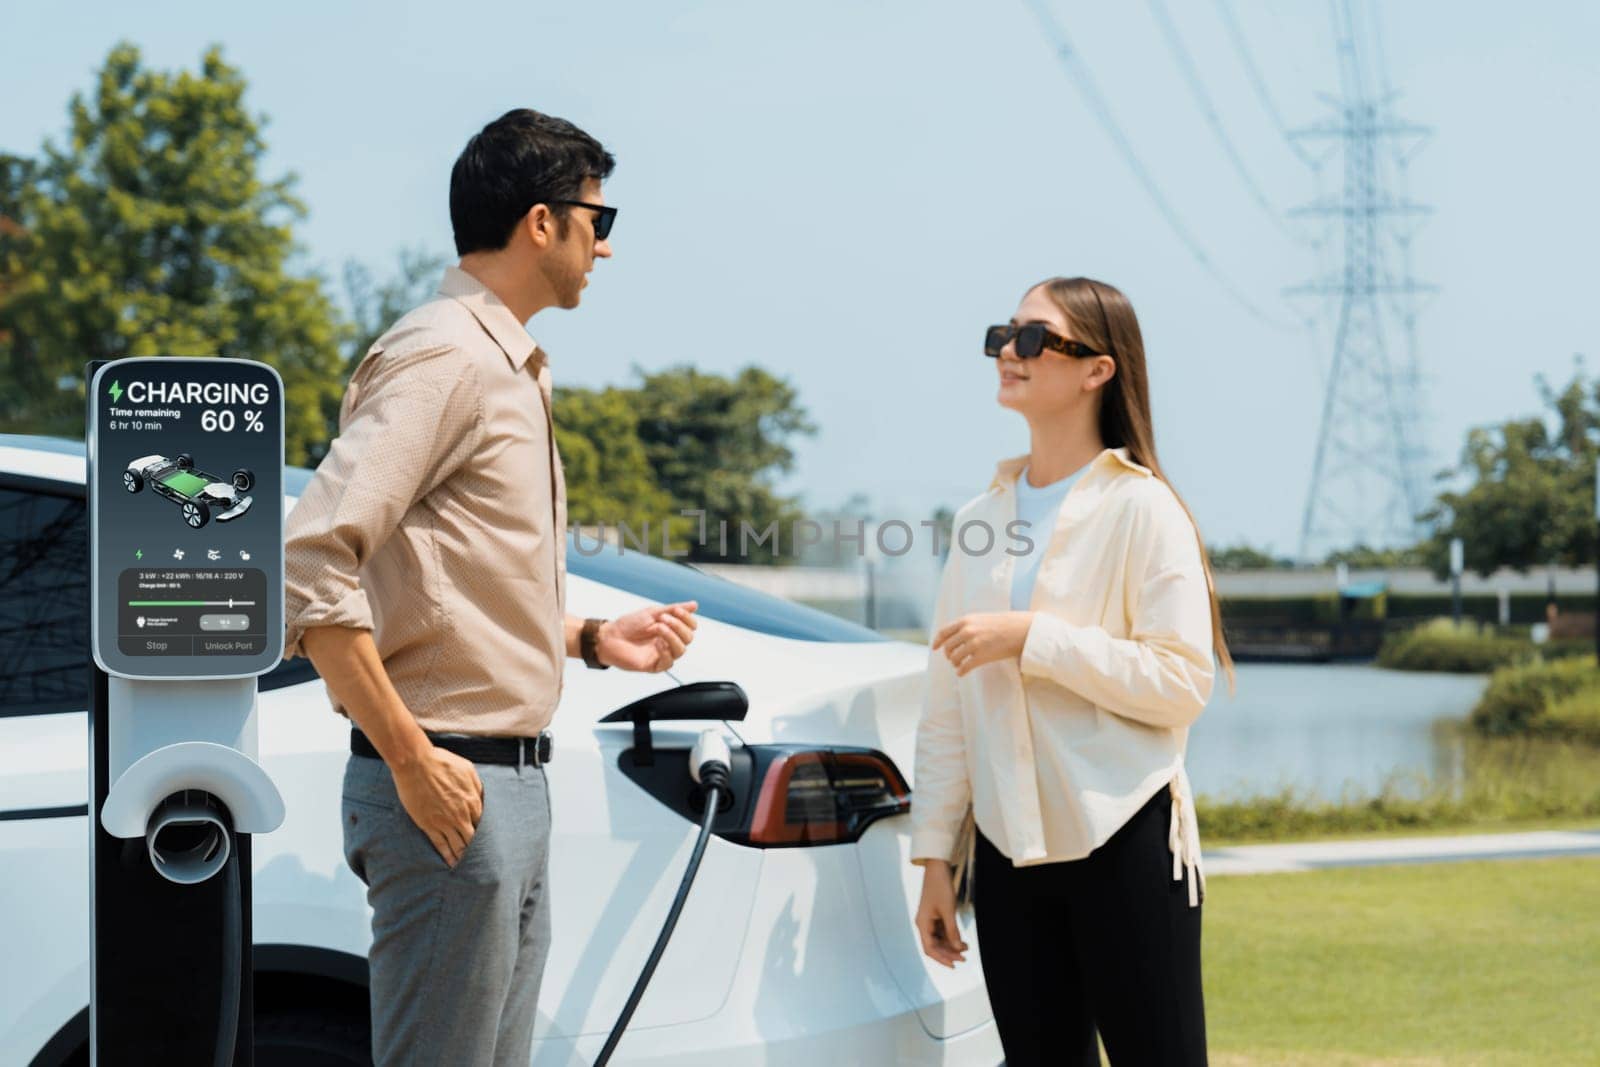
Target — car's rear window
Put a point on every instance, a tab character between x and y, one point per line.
665	581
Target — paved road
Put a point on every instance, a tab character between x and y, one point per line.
1318	855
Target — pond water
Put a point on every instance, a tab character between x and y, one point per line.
1329	731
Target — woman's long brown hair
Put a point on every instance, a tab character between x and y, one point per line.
1102	318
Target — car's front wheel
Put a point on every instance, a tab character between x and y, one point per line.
196	514
132	481
299	1037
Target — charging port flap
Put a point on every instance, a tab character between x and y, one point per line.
706	701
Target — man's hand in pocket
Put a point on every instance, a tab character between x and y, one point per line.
444	796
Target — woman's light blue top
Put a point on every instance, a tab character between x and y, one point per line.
1037	508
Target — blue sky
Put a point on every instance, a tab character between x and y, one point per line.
847	193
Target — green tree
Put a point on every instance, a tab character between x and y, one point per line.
1243	557
716	443
375	306
1530	501
150	230
1366	557
944	518
609	478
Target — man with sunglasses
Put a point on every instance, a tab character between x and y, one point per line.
426	579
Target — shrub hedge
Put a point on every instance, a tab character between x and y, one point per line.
1519	698
1575	716
1483	607
1440	645
1497	782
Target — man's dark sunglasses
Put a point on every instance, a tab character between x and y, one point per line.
604	216
1032	339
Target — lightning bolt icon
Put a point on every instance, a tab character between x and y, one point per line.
115	391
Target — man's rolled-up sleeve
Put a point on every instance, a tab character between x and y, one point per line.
415	418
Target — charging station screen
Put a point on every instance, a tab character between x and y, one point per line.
186	466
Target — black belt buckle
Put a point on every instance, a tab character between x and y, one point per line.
541	750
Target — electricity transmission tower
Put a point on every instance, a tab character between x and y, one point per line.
1367	478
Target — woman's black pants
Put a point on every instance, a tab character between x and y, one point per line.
1107	943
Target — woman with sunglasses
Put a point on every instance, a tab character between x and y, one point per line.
1073	646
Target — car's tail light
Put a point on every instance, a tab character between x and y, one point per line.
781	796
824	796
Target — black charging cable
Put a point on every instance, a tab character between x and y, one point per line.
712	771
232	959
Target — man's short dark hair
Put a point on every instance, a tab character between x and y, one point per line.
520	159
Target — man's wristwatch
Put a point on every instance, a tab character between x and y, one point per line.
589	644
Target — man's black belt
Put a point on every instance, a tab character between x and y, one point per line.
512	751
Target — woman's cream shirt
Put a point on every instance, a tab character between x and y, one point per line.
1056	751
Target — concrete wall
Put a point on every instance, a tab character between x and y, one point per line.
841	583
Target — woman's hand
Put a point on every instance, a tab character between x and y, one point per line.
936	916
974	640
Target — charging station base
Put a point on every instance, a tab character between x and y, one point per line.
155	968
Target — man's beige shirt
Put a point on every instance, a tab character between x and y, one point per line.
438	519
1056	750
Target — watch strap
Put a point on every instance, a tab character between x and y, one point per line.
589	644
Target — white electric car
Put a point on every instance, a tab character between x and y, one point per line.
796	945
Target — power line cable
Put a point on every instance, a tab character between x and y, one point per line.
1258	83
1241	46
1197	89
1073	64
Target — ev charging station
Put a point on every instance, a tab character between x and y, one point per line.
185	492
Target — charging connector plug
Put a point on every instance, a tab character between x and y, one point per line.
710	764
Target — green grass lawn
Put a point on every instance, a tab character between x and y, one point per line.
1451	963
1482	826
